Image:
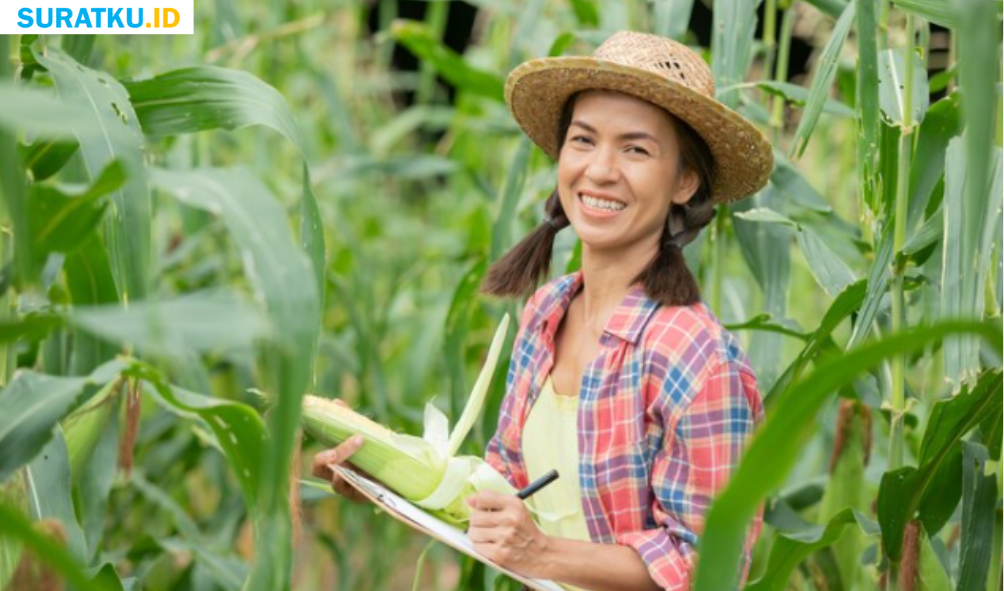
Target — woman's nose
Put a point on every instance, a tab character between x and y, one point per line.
602	166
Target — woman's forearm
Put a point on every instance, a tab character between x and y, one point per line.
597	567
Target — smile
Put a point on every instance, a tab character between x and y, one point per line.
600	203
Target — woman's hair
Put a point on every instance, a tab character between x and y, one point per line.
666	279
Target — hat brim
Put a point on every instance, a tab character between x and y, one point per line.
536	92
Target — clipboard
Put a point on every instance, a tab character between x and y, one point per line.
406	512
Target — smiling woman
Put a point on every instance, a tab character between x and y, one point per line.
622	378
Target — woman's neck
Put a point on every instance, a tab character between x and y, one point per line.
606	279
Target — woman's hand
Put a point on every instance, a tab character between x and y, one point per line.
503	531
339	455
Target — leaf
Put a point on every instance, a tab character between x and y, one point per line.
16	525
457	320
799	96
979	501
765	322
780	439
61	220
201	98
829	270
89	280
826	69
227	571
587	14
49	487
792	547
46	157
892	92
13	494
514	183
866	93
283	279
971	220
767	250
32	405
733	27
452	67
941	123
202	321
128	228
30	327
941	12
904	490
238	429
43	115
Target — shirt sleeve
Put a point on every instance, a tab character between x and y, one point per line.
702	445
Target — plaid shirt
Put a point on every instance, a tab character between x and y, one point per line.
665	411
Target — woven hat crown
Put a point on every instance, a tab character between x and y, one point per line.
659	55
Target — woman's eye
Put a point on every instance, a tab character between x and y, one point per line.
638	150
581	139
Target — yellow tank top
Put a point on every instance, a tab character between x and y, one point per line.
551	441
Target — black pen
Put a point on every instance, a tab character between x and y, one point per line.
538	484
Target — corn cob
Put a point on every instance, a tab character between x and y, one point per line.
423	470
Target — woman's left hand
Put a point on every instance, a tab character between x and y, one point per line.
503	531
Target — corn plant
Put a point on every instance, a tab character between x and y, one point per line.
188	220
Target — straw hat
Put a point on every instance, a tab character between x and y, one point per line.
660	71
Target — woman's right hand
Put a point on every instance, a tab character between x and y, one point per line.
339	455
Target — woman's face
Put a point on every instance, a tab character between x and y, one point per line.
618	171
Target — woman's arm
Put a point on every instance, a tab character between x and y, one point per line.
503	530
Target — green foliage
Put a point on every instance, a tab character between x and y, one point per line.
161	254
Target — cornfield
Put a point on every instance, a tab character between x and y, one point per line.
303	197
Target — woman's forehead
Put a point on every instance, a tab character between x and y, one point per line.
619	112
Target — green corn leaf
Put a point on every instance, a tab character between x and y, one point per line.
971	215
283	279
797	95
790	548
767	250
60	220
826	69
780	439
43	115
733	26
201	98
830	271
979	502
892	94
942	122
13	494
128	227
33	404
201	321
90	282
239	431
457	320
420	41
906	490
942	12
866	93
49	487
17	525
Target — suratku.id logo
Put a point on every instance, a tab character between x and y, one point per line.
64	17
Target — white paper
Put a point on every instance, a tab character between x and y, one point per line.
437	528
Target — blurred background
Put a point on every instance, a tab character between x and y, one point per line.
379	130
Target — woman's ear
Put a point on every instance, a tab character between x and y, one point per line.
687	183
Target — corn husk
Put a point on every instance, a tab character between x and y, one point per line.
424	470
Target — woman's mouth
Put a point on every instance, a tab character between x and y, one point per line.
600	207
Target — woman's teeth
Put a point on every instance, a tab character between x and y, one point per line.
601	203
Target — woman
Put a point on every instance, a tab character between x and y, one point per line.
621	378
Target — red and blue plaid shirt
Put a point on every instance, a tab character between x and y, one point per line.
665	411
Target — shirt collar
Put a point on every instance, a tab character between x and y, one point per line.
626	323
